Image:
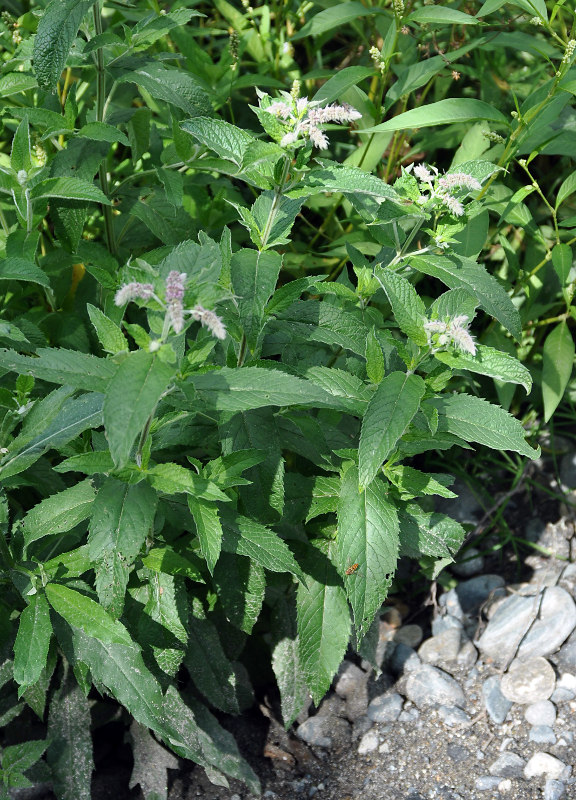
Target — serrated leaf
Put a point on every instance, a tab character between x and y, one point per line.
367	536
172	478
325	495
353	395
274	216
475	420
408	309
164	622
428	533
59	513
20	757
69	189
81	612
174	86
240	584
489	361
32	641
14	82
102	132
414	483
65	367
19	269
132	395
558	361
254	277
457	271
338	178
285	660
375	366
75	416
228	141
57	30
20	154
323	621
70	752
389	412
164	559
91	463
249	538
111	337
208	528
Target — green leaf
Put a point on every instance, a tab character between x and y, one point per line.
255	387
69	189
175	86
20	269
65	367
32	641
70	752
172	478
91	463
14	82
428	533
567	188
334	17
341	82
133	393
75	416
20	757
111	337
375	366
413	483
285	660
248	538
59	513
102	132
122	518
491	362
254	277
20	157
323	620
408	309
274	216
475	420
164	559
152	27
562	262
164	622
457	271
81	612
337	178
226	140
441	15
558	360
349	392
367	536
240	584
213	674
57	30
443	112
208	528
389	412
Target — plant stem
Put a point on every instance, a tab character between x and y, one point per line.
100	103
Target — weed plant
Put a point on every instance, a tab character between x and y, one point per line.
262	266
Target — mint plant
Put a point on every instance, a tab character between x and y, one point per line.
206	436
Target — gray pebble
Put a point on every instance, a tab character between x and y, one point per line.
543	764
471	563
314	731
440	624
429	686
541	713
486	783
495	703
453	717
409	716
468	596
554	790
528	681
442	648
404	659
508	765
565	658
467	656
457	752
409	634
542	734
560	695
385	708
350	679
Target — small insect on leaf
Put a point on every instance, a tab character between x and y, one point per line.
352	569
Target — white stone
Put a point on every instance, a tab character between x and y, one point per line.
544	764
368	743
542	712
528	681
428	686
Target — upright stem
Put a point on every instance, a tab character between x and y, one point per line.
100	103
275	203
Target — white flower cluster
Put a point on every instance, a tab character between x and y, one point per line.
442	333
173	304
440	187
303	118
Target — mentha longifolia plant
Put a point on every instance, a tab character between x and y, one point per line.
235	459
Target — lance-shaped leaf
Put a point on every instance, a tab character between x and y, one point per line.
65	367
240	583
82	612
208	528
408	309
32	641
59	513
491	362
132	396
254	278
122	518
69	189
323	620
163	623
367	536
428	533
175	86
443	112
70	752
285	659
248	538
228	141
459	272
558	358
389	412
57	30
476	420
